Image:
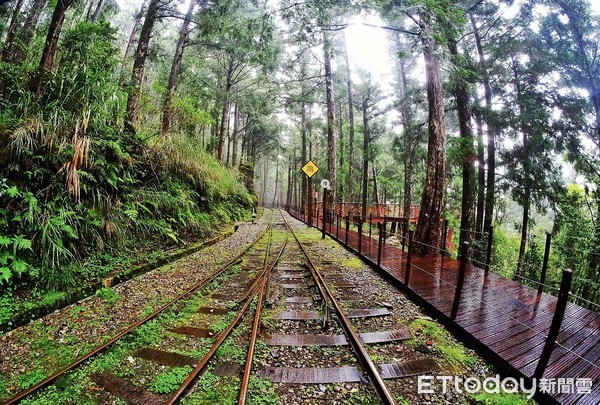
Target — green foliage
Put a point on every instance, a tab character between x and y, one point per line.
108	295
261	391
30	378
168	381
502	399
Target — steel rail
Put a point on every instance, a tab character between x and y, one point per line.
25	393
376	380
263	295
257	288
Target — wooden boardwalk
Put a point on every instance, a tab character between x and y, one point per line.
508	320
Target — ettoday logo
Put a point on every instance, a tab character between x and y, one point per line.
428	384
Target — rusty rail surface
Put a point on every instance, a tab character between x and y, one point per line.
25	393
375	376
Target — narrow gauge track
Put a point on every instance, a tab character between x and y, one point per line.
261	290
179	300
361	352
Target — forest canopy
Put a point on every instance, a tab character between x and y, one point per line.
123	122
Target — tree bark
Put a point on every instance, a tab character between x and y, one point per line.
331	140
133	101
49	52
97	11
304	182
428	228
137	23
341	193
225	113
350	125
27	32
409	147
235	135
526	177
167	120
492	132
467	217
375	189
365	176
12	30
480	177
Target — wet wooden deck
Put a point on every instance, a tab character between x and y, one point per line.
509	320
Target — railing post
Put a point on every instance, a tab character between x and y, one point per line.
444	236
337	225
324	213
384	228
380	246
360	224
404	228
545	263
559	313
464	254
488	254
347	227
370	223
411	234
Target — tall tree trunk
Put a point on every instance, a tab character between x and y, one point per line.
526	177
365	176
167	119
375	189
480	177
27	32
133	100
350	125
97	11
12	30
49	52
235	135
276	179
428	228
331	140
469	186
492	132
288	194
137	24
409	148
225	113
342	190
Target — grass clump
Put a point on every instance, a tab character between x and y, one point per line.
170	380
453	352
502	399
108	295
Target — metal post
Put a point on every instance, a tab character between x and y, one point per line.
411	235
380	246
360	224
370	223
559	313
347	227
404	228
337	225
488	255
444	237
310	197
545	263
384	228
324	213
461	279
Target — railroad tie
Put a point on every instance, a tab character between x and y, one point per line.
346	374
133	394
336	340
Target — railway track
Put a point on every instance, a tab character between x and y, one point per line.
278	271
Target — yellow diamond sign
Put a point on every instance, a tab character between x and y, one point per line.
310	168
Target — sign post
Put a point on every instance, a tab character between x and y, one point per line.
310	169
325	185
